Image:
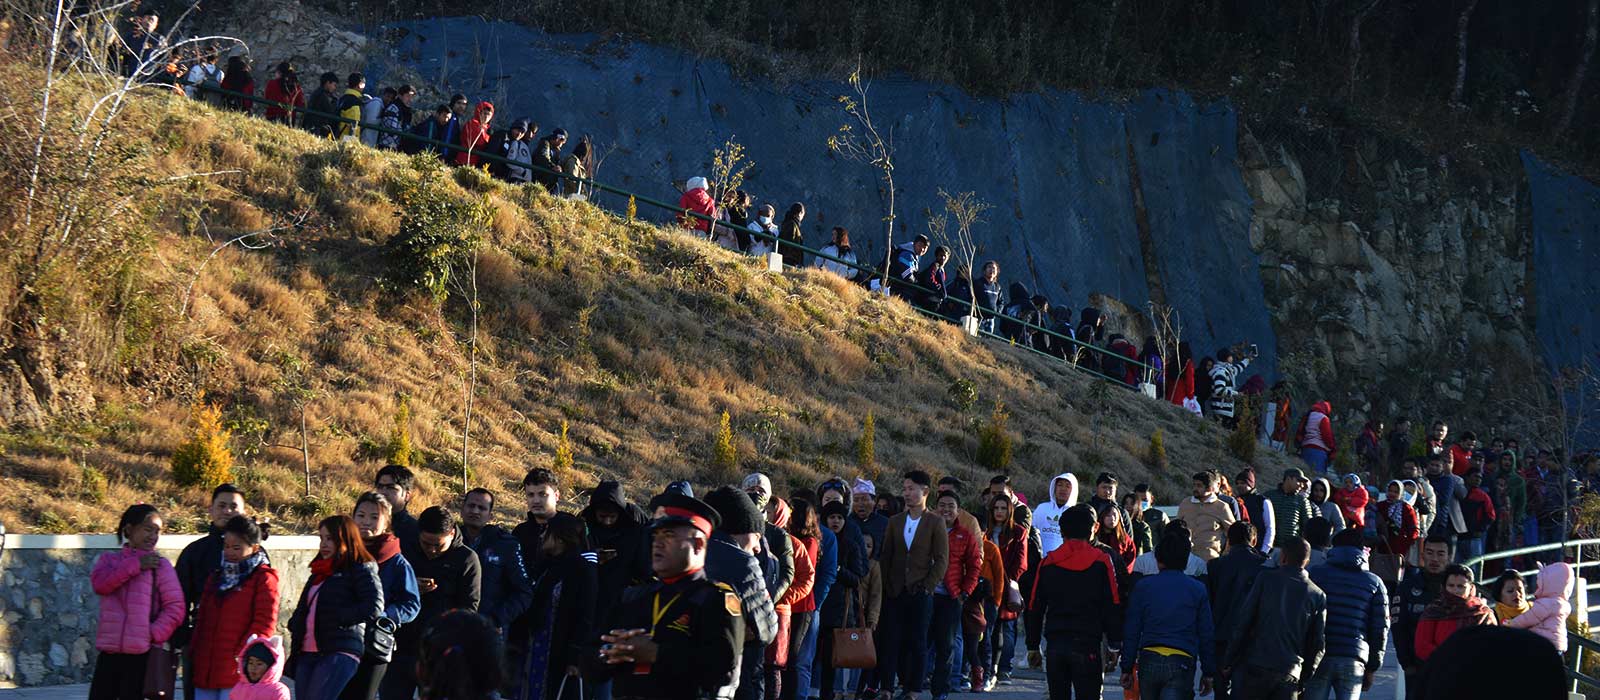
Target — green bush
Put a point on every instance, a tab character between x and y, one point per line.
1158	450
724	454
563	451
439	226
866	447
964	394
1242	439
398	449
204	460
92	483
994	441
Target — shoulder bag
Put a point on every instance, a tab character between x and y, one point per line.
852	646
160	663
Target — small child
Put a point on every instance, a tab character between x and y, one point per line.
262	666
1552	603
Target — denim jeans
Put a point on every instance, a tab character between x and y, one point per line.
1468	547
808	656
319	676
946	627
1338	678
903	641
211	694
602	690
1006	649
957	668
1316	458
1165	677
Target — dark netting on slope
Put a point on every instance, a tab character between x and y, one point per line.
1566	258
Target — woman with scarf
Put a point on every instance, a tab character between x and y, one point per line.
239	600
401	598
1352	502
339	602
141	605
1397	520
1457	607
563	615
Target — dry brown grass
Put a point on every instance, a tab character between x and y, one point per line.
638	336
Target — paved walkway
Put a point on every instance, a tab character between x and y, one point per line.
1028	685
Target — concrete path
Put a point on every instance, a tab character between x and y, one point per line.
1027	685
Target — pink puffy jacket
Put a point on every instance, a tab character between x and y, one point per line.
271	686
126	626
1551	605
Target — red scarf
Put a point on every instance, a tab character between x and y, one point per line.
383	547
321	569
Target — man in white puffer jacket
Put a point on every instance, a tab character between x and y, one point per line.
1047	517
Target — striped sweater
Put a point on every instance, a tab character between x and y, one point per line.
1224	386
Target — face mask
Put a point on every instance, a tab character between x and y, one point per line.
1146	504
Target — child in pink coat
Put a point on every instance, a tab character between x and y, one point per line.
141	605
1551	605
261	670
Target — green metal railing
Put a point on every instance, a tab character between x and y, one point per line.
1575	643
1077	346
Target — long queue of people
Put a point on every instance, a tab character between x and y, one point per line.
746	594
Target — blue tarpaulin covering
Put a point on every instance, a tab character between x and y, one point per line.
1566	259
1055	165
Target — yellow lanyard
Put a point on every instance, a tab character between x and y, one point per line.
657	610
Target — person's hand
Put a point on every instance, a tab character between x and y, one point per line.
149	562
1111	660
1035	659
1367	679
1205	685
427	585
1127	680
619	646
640	649
572	670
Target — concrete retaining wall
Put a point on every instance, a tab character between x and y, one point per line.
48	610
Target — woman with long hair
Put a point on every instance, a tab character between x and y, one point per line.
402	599
284	95
461	658
1112	535
563	615
329	625
1021	516
237	78
141	605
803	525
791	236
778	654
240	600
839	248
1011	539
1225	494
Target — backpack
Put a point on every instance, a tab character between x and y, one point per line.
209	90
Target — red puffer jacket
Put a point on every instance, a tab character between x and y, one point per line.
966	556
225	620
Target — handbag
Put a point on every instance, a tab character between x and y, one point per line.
1013	602
972	618
380	640
853	647
160	663
561	690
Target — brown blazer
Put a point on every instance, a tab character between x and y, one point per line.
920	569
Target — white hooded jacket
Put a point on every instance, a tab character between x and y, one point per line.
1047	517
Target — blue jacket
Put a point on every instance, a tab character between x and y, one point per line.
827	566
402	599
1170	609
1358	606
506	591
875	525
727	563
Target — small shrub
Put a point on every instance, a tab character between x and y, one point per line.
633	208
964	394
563	450
92	484
438	228
724	455
398	449
204	460
1158	450
1242	440
866	447
994	441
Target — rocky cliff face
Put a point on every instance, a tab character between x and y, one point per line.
1394	287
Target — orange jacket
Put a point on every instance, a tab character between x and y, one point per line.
993	571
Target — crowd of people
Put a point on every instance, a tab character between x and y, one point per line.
839	590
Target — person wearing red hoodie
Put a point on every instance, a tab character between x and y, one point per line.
475	135
1461	453
1315	438
697	199
239	602
1458	606
1352	500
1076	600
960	579
805	561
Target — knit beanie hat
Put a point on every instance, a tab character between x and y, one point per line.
260	651
740	516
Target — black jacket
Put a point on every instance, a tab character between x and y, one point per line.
194	566
346	602
1417	590
783	552
564	603
507	592
699	634
1281	625
622	548
727	563
852	570
1076	596
404	526
1228	580
547	165
459	577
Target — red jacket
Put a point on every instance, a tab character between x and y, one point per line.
475	135
274	93
1460	460
1320	411
1399	536
966	556
1352	502
697	200
1184	387
811	546
1446	615
1013	544
224	621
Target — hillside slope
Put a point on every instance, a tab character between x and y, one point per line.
634	336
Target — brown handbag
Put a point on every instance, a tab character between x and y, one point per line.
853	646
161	662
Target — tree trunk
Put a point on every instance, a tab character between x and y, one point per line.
1355	45
305	448
1456	92
1581	70
888	260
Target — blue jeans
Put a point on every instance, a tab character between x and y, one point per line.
321	676
1316	458
1006	650
602	691
808	656
1468	547
1340	676
1165	677
211	694
956	657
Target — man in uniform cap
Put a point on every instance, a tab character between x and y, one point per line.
678	637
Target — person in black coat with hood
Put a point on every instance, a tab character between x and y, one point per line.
617	537
841	608
563	619
1019	311
1091	331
